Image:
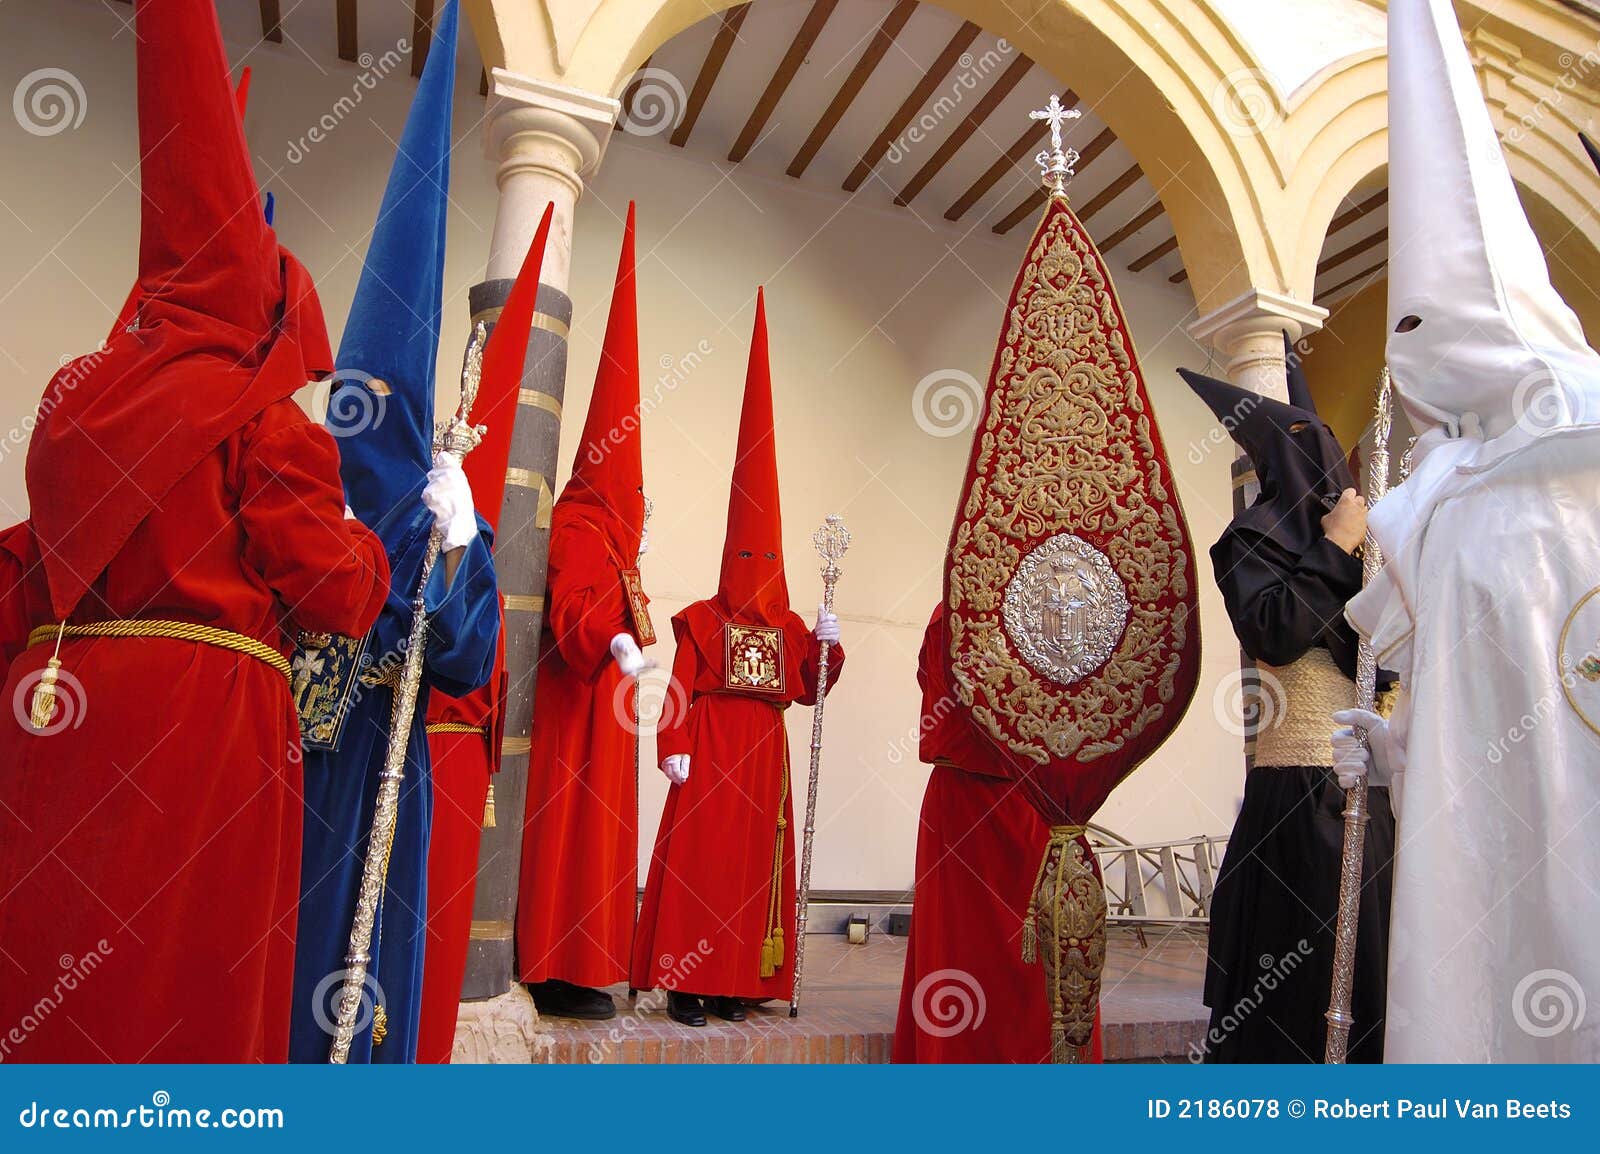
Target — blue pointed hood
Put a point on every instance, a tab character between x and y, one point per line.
381	407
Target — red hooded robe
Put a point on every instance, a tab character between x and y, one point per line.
580	835
967	995
719	907
150	831
464	733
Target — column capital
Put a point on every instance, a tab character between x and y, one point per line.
1254	313
520	106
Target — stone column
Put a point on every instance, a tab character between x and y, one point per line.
1247	334
545	139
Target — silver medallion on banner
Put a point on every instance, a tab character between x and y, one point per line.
1065	608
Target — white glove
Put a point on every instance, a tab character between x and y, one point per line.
629	657
676	768
1351	762
448	497
827	629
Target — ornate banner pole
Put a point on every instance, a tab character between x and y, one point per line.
1356	814
458	438
832	541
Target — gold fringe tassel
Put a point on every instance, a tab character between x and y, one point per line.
488	808
1067	916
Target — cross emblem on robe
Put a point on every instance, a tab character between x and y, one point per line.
1056	161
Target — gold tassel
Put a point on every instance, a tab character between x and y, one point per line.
380	1025
1065	928
1030	939
777	947
488	808
767	967
44	696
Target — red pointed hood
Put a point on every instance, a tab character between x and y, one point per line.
752	588
500	387
226	323
607	484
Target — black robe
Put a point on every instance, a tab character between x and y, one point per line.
1269	966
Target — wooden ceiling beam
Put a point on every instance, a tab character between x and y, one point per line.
1110	192
1345	219
421	34
1348	281
1353	251
1179	277
1151	213
948	59
962	132
853	84
783	77
1019	151
721	45
1155	254
1035	200
272	21
349	40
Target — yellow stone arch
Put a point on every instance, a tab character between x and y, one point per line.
1161	73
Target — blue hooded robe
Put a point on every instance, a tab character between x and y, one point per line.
381	411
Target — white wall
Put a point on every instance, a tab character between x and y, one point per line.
864	302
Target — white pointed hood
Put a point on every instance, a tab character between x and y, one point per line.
1497	351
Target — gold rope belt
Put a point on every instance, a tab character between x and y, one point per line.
176	630
456	727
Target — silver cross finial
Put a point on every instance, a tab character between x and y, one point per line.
1056	161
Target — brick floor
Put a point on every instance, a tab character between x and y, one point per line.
1150	1010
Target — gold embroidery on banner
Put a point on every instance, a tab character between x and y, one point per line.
1066	446
1067	918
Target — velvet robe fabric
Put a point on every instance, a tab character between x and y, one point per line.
341	792
967	995
150	841
580	834
706	903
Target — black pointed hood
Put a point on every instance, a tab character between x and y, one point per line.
1298	461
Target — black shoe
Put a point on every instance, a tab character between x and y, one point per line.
685	1009
558	999
728	1009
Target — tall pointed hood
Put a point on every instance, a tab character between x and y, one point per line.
382	403
1297	459
1590	147
1299	388
225	322
607	485
500	386
1485	336
752	588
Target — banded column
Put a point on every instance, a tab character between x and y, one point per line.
1247	334
545	139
